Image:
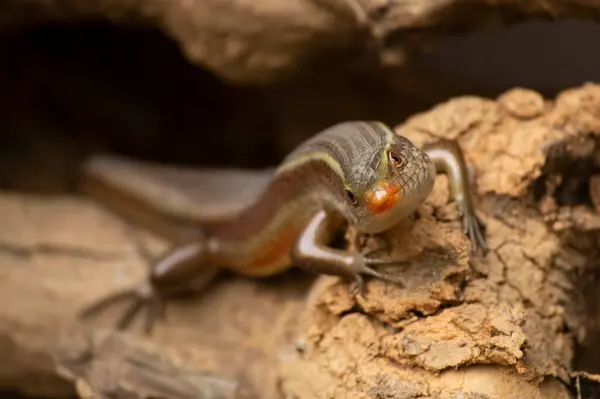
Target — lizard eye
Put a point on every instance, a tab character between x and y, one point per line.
396	160
351	197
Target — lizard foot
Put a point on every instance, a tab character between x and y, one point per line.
472	227
143	296
362	266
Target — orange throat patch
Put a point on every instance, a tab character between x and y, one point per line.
383	196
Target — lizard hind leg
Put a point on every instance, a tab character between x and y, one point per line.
181	270
142	297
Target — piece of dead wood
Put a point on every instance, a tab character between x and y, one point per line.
113	365
503	326
59	253
257	41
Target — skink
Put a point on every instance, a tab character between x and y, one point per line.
358	172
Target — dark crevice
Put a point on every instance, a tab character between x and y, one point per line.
509	52
72	90
353	310
566	183
584	387
566	175
13	394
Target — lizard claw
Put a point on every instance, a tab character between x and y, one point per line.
472	227
144	297
362	266
357	287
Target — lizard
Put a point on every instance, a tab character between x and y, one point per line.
260	223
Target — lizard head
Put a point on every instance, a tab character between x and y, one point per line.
388	181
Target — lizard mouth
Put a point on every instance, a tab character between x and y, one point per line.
383	196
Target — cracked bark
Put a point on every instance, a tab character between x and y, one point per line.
503	326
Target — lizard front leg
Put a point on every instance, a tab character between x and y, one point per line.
312	253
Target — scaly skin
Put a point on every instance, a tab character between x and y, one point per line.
356	172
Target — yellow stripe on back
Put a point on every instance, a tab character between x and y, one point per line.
309	157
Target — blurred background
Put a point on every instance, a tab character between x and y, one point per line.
68	90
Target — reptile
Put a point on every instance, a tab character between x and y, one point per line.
259	223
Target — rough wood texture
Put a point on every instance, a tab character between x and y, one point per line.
520	308
254	41
110	365
503	327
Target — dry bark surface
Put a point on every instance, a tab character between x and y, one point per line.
500	326
254	41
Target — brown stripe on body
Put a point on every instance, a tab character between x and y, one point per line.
258	241
311	178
